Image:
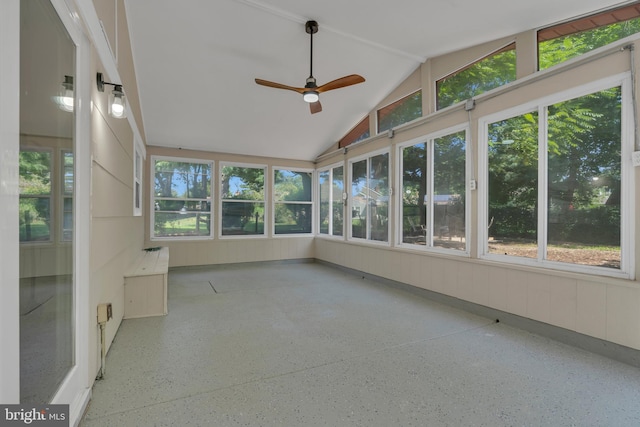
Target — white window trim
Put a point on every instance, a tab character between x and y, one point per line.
429	139
342	197
311	202
267	180
138	178
348	188
627	209
152	198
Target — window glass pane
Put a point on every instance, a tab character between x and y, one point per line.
292	218
401	111
414	187
513	184
67	219
35	195
358	133
35	219
449	191
359	195
488	73
292	186
552	51
67	159
182	199
242	183
379	197
584	180
242	218
325	200
35	172
182	179
337	203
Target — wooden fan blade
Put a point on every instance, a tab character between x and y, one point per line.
341	82
280	86
315	107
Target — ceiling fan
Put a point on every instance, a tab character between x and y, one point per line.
311	91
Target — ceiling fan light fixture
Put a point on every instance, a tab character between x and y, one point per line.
311	96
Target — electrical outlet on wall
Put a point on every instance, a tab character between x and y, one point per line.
636	158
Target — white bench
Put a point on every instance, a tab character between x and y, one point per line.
145	285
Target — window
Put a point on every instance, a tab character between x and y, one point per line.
488	73
292	201
35	195
571	211
402	111
67	195
564	41
243	200
181	198
331	183
358	133
370	198
137	182
433	208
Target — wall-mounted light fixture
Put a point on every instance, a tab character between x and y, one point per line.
65	96
116	98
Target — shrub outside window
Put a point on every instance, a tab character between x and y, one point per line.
293	205
433	188
181	198
331	184
571	212
370	198
243	200
402	111
488	73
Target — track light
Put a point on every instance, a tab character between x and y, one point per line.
117	105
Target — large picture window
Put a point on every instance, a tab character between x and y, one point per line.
555	182
243	200
292	201
331	183
370	198
181	198
433	180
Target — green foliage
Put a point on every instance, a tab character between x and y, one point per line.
488	73
403	111
555	51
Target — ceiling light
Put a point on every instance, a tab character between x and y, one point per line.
117	105
310	96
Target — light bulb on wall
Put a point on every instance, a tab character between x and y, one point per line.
117	103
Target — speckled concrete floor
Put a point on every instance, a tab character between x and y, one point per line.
308	345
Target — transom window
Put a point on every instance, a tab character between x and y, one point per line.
358	133
181	198
564	41
402	111
490	72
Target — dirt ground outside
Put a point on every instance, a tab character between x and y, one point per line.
595	256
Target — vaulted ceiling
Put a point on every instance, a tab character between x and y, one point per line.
196	61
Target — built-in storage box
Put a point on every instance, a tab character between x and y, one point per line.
145	285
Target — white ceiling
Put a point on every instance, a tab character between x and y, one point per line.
196	61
